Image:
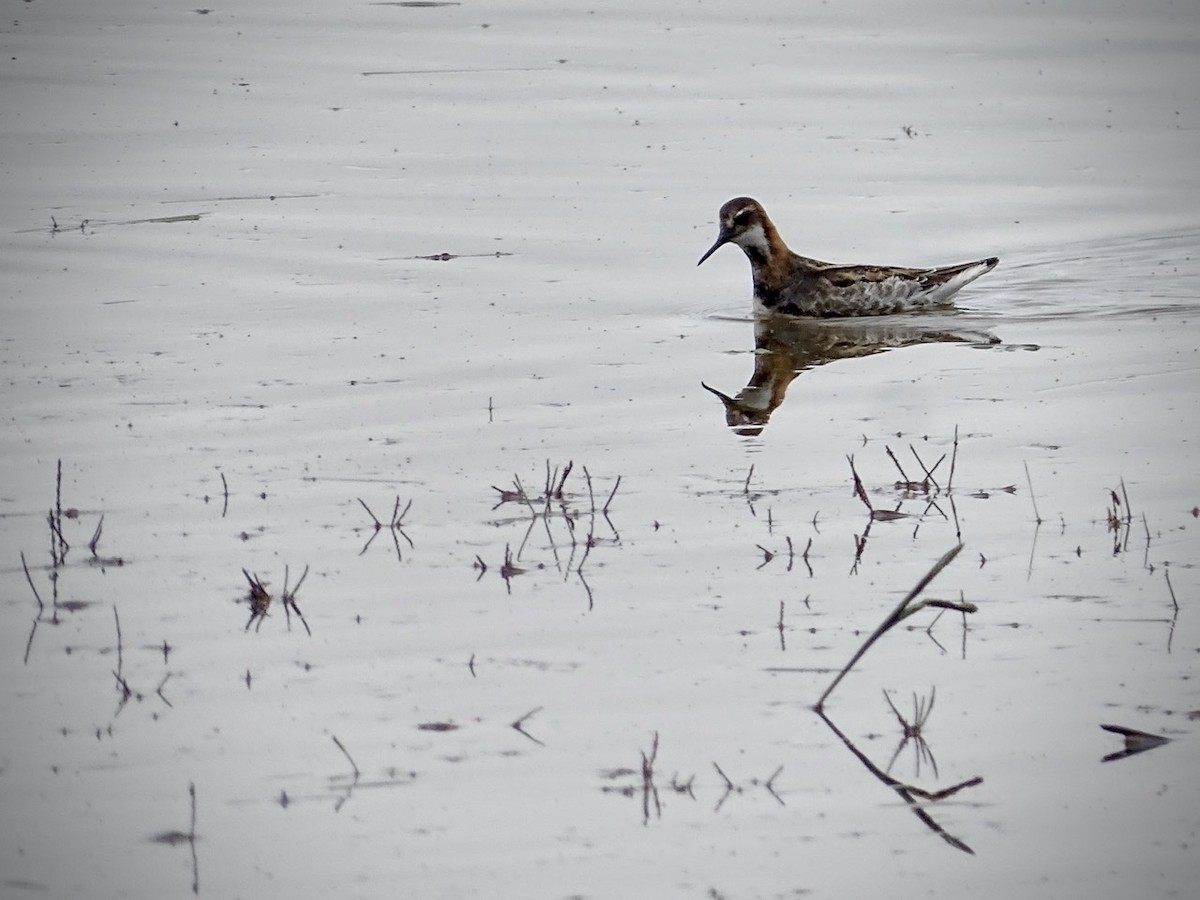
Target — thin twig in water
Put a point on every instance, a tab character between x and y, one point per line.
158	690
120	660
769	784
953	460
928	472
347	754
192	841
591	494
58	499
522	494
1167	574
729	786
32	586
519	725
902	611
558	490
649	789
859	491
609	501
1036	515
289	598
41	609
96	537
378	524
896	463
58	544
749	475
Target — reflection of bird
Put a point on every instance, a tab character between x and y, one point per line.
785	346
789	283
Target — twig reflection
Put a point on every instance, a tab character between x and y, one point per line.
915	798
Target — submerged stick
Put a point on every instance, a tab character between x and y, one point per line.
902	611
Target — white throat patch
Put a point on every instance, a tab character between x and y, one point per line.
754	237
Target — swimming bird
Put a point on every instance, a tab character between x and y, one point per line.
787	282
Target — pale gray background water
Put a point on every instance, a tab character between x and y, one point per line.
286	334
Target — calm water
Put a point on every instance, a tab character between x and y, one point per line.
226	312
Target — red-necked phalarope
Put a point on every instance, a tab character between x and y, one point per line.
787	282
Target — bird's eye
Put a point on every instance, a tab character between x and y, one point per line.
741	216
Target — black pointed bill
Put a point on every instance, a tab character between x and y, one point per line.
722	239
